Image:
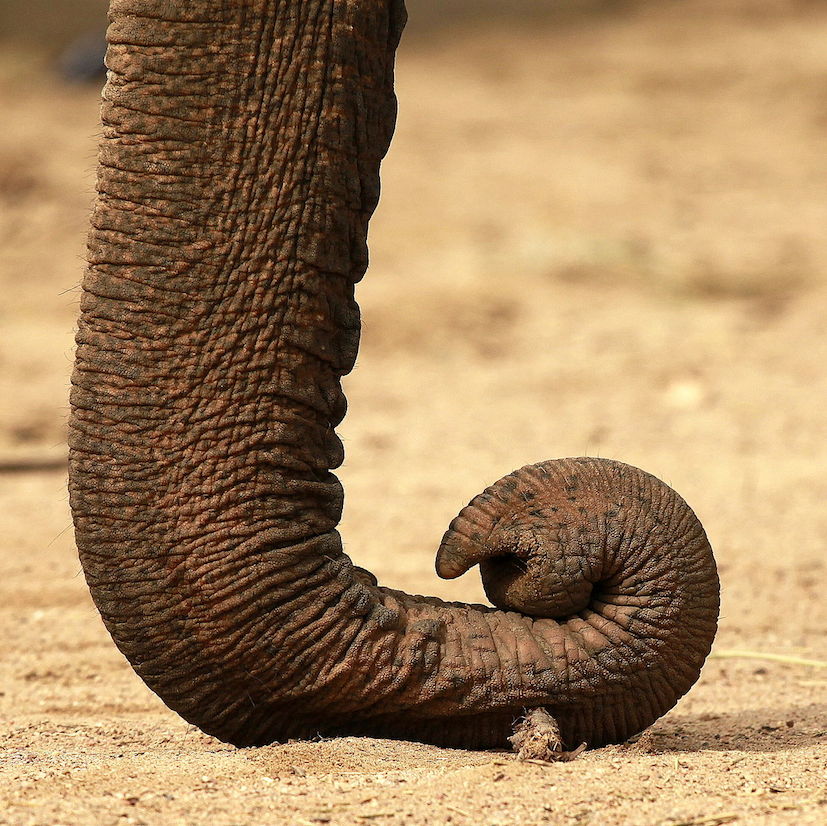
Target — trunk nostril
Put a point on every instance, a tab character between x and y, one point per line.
529	586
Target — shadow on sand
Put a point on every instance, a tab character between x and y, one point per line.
768	729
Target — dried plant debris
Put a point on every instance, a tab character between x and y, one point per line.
537	738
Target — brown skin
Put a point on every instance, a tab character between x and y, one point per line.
238	171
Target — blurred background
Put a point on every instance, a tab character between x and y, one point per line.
601	231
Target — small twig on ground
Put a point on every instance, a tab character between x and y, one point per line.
740	654
537	738
714	820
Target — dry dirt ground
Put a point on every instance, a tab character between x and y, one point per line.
602	235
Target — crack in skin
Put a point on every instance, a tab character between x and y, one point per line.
238	170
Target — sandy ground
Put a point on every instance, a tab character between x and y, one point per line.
604	236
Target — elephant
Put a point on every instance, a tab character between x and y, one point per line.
238	169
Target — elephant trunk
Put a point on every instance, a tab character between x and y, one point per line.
238	170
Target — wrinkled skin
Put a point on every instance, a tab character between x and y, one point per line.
238	170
